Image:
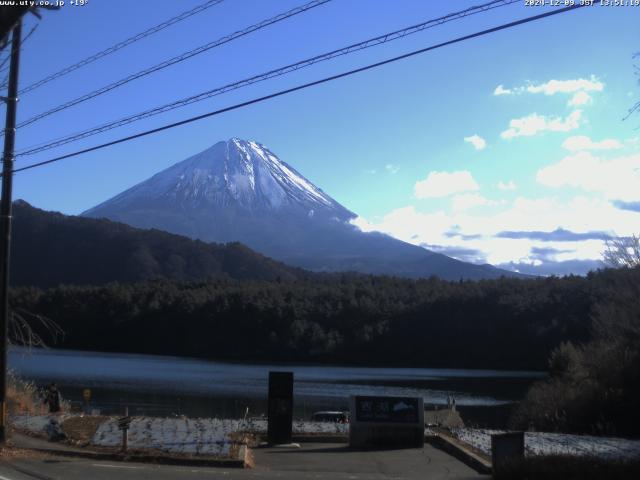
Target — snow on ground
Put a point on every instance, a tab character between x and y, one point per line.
197	436
259	425
539	443
213	436
36	423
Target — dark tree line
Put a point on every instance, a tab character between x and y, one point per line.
341	318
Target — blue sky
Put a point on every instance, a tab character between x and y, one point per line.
508	149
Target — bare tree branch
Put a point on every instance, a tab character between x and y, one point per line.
636	107
23	328
622	252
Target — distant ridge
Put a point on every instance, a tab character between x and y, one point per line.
49	248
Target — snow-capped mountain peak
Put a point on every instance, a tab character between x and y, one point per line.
236	172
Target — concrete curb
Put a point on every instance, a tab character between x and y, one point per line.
322	438
307	438
239	462
458	450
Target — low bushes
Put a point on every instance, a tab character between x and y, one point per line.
562	467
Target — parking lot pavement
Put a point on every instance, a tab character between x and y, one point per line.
331	460
311	461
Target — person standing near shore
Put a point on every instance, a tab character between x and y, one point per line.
53	398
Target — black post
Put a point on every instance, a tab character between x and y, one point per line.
125	430
280	408
5	219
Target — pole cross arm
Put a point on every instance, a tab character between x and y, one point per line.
9	16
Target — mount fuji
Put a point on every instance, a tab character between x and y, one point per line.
239	190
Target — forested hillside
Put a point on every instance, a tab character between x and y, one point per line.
506	323
50	249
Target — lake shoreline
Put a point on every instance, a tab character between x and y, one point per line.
262	362
165	386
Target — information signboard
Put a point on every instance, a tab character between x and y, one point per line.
387	409
280	407
386	422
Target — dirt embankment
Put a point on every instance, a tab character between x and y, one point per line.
80	430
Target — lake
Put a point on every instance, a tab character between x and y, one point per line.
161	385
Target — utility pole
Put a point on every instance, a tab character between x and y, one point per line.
5	219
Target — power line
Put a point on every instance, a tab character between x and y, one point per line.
304	86
122	44
177	59
388	37
4	66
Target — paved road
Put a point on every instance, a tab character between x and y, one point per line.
312	461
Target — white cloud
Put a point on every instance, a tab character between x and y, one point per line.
442	184
534	124
580	98
616	179
578	87
467	201
582	142
567	86
391	168
478	230
363	224
500	90
477	141
510	185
